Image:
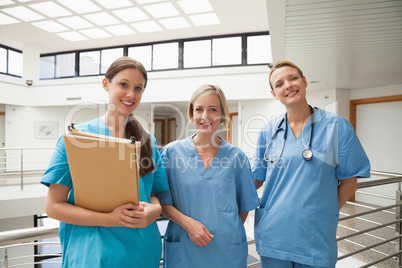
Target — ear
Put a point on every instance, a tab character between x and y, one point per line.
305	81
105	84
273	94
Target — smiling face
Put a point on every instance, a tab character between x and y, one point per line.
125	91
207	114
289	87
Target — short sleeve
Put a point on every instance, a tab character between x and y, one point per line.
165	197
352	159
58	171
160	183
246	193
258	164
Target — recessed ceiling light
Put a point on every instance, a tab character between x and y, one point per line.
72	36
4	19
23	13
146	26
175	23
115	3
192	7
80	6
102	18
75	22
205	19
95	33
50	9
50	26
162	10
131	14
141	2
120	30
6	2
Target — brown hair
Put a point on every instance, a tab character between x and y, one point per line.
206	90
133	127
280	64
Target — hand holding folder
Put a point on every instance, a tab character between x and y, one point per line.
104	170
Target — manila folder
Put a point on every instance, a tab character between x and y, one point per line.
104	170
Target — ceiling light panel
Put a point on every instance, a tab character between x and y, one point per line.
115	3
205	19
146	26
102	19
50	9
4	19
131	14
142	2
76	23
162	10
72	36
23	1
50	26
23	13
80	6
175	23
95	33
120	30
6	2
193	7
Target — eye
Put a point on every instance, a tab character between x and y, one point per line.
198	109
294	78
139	89
212	110
278	85
123	84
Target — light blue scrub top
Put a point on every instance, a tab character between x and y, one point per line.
93	246
213	197
299	210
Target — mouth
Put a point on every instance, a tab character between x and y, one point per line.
126	103
205	125
292	93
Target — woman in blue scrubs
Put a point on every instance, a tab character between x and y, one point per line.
310	168
211	191
128	236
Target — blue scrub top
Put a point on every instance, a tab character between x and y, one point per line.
213	197
94	246
299	210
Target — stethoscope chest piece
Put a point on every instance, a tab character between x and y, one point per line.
307	154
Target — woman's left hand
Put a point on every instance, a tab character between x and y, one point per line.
140	216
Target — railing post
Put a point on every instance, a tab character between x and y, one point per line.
22	169
5	258
398	228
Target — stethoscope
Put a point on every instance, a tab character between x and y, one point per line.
307	153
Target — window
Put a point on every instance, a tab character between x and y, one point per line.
165	56
14	62
46	69
89	63
143	54
65	65
3	60
108	56
259	49
226	51
197	54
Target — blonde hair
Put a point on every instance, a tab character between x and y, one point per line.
206	90
280	64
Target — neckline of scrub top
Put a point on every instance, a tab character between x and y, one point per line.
202	170
105	127
307	124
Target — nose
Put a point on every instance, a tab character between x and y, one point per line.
130	93
205	116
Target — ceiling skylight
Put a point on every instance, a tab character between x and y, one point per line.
146	26
115	3
192	7
6	2
50	9
205	19
162	10
119	30
175	23
141	2
95	33
4	19
102	18
23	13
76	22
50	26
72	36
131	14
80	6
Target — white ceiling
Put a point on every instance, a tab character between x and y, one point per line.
347	44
